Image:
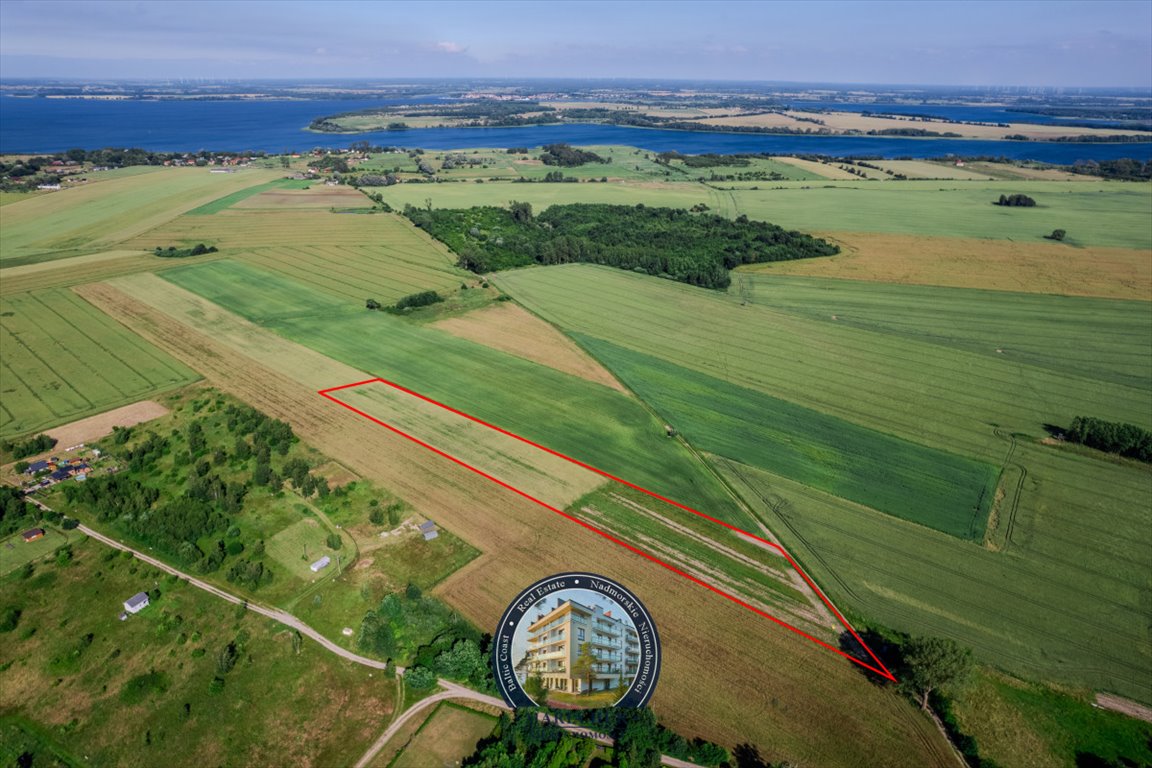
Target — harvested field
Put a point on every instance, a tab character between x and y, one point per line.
813	690
512	329
1004	265
924	169
448	736
316	196
95	427
77	270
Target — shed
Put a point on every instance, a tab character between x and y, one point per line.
136	603
428	528
321	563
33	533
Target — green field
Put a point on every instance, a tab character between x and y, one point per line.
109	210
64	359
137	692
1103	213
301	544
595	424
15	552
1059	589
1095	338
934	488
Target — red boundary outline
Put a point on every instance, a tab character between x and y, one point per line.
879	669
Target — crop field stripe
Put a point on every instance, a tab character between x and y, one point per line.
879	669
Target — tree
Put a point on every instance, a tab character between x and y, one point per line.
373	304
1057	234
585	666
932	663
536	688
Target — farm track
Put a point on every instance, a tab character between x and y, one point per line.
694	623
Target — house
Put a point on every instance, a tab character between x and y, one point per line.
33	533
429	530
321	563
36	466
136	603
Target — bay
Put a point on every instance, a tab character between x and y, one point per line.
37	125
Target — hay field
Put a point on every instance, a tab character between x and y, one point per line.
509	328
926	169
817	169
63	360
813	690
100	216
1000	265
1066	529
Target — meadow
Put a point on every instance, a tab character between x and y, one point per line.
110	209
132	693
15	552
64	359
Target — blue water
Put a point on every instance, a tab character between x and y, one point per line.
53	125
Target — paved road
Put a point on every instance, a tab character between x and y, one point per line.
451	690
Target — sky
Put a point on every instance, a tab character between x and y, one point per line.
927	42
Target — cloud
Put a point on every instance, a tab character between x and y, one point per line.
450	47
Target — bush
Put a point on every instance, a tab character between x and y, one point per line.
419	678
9	618
412	301
1057	234
1016	201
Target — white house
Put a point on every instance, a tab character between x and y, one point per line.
136	603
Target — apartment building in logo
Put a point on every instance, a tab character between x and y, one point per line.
557	638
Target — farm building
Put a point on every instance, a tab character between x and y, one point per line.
429	530
36	466
33	533
136	603
321	563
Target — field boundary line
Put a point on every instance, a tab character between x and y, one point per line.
878	668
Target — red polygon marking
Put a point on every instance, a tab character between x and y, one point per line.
879	669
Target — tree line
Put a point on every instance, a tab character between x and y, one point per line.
694	248
1112	437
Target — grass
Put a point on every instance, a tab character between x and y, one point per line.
448	736
276	704
301	544
1034	726
15	552
104	213
927	486
64	359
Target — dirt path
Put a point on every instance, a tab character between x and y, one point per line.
1124	706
